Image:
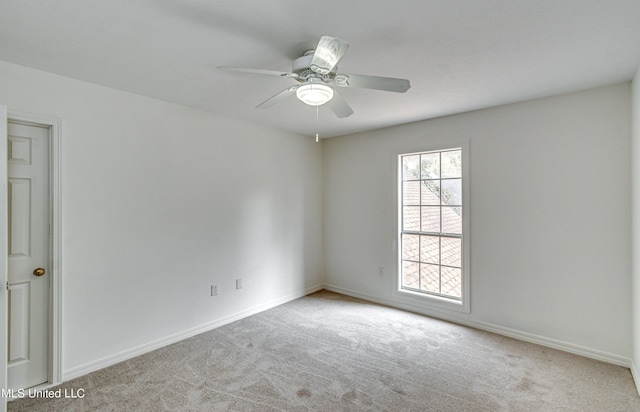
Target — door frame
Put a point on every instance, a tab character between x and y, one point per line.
4	293
55	242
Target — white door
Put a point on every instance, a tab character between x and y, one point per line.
28	254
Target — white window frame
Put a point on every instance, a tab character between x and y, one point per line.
423	300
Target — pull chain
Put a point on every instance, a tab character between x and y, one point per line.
317	127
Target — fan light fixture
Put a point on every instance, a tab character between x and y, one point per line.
314	94
316	72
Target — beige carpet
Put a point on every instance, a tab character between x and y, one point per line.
328	352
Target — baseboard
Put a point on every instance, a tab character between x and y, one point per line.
159	343
635	372
500	330
489	327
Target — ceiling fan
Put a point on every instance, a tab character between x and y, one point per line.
316	71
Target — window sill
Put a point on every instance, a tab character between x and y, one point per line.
431	302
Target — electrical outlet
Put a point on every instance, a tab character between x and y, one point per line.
239	283
381	271
214	290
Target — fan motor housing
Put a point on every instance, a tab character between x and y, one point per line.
302	67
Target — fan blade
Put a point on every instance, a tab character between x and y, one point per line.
256	71
328	52
278	97
389	84
339	105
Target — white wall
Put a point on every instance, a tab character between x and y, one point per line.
159	202
635	244
550	213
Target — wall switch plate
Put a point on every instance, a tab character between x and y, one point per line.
381	271
238	283
214	290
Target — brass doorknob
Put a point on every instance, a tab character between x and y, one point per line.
39	271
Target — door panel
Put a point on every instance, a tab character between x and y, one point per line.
19	321
20	217
28	213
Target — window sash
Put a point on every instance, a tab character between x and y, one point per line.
420	187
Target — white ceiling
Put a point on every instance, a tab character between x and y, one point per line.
460	55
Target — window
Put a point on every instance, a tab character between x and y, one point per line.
431	224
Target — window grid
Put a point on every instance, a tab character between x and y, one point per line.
446	187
